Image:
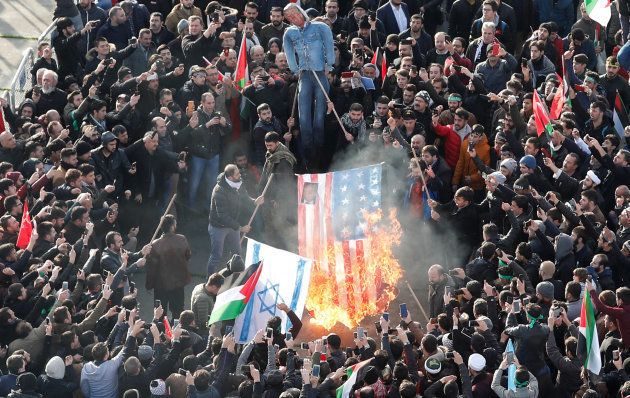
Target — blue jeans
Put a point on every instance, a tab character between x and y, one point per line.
221	238
208	169
312	123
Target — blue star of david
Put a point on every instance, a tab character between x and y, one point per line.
273	290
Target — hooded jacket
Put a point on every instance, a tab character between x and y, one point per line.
565	260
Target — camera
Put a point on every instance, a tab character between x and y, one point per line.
215	17
378	327
457	68
557	311
108	61
133	40
245	369
157	303
269	333
458	292
473	324
304	345
182	371
372	15
407	41
449	355
132	287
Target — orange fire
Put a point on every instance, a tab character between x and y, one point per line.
374	287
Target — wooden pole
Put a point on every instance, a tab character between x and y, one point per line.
328	100
168	209
424	182
424	313
251	219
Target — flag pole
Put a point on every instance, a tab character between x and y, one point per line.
251	219
328	100
424	182
168	209
424	313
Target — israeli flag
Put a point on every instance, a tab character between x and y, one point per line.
285	278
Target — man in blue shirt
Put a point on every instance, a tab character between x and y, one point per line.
309	50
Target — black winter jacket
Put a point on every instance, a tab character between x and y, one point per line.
228	205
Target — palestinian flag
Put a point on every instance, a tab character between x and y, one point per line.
355	372
620	116
561	98
598	10
541	116
241	76
230	303
588	342
374	59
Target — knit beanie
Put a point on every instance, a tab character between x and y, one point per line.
182	25
26	382
56	368
157	388
529	161
509	164
545	289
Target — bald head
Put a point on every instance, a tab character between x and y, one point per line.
547	269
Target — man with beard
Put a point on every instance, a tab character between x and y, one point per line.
275	28
439	281
110	164
227	64
229	207
310	44
267	122
613	83
279	211
138	61
116	30
423	41
250	174
453	134
184	10
65	44
49	96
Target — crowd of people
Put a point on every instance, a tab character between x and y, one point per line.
136	101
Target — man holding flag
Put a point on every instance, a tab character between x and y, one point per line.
309	49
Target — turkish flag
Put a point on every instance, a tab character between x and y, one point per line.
26	228
167	328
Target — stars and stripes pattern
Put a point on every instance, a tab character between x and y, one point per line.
332	227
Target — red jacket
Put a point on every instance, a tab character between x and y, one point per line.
621	314
451	144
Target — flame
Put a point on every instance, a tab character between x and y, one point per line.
380	274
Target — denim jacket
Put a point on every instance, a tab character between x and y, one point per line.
313	46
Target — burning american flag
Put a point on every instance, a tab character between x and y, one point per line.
339	216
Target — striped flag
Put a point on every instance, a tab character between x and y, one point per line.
588	342
541	116
620	116
285	278
599	11
241	75
355	372
331	230
230	303
560	98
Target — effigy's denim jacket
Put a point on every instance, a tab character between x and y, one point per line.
313	46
